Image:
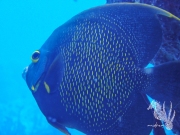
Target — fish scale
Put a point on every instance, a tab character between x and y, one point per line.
103	113
89	51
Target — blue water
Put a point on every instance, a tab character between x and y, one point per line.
24	27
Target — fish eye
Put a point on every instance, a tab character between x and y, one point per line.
35	56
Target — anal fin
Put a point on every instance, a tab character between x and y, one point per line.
57	125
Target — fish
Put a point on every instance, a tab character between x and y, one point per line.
170	6
170	48
90	73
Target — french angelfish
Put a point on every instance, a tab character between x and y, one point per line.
89	75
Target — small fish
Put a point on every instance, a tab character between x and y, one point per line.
90	75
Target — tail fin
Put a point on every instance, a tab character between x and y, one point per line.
165	84
165	87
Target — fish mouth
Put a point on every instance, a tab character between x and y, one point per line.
32	85
24	73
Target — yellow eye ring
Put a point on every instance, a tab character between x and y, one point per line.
35	56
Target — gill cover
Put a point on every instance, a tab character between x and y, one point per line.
54	74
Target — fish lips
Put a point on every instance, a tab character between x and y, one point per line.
24	73
32	81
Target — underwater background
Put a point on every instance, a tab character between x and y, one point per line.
24	27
